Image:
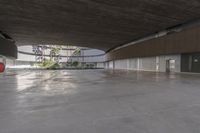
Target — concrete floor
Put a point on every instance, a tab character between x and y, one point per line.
99	101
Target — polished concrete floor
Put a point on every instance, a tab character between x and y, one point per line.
99	101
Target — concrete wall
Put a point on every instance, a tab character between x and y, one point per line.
111	64
8	48
133	64
147	64
162	62
10	62
1	59
100	65
90	52
155	63
121	64
25	57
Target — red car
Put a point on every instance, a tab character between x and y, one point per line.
2	67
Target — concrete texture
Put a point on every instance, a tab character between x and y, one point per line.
8	48
155	63
102	24
99	101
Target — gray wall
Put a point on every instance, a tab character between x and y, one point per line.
100	65
162	62
155	63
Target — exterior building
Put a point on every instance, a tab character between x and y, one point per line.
27	56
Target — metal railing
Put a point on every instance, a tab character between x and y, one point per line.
64	58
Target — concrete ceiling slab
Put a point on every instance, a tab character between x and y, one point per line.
101	24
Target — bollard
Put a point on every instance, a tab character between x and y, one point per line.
2	67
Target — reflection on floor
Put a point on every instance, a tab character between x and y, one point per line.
99	101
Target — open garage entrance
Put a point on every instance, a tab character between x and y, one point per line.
123	76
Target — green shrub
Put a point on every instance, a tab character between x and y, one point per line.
54	66
49	64
75	64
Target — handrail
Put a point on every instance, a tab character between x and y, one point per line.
27	53
68	48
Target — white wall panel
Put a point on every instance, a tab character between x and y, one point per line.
121	64
157	63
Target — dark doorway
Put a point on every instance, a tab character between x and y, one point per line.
190	62
196	63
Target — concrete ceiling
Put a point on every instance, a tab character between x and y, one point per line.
101	24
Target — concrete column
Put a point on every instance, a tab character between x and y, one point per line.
8	48
113	64
128	64
157	63
138	64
